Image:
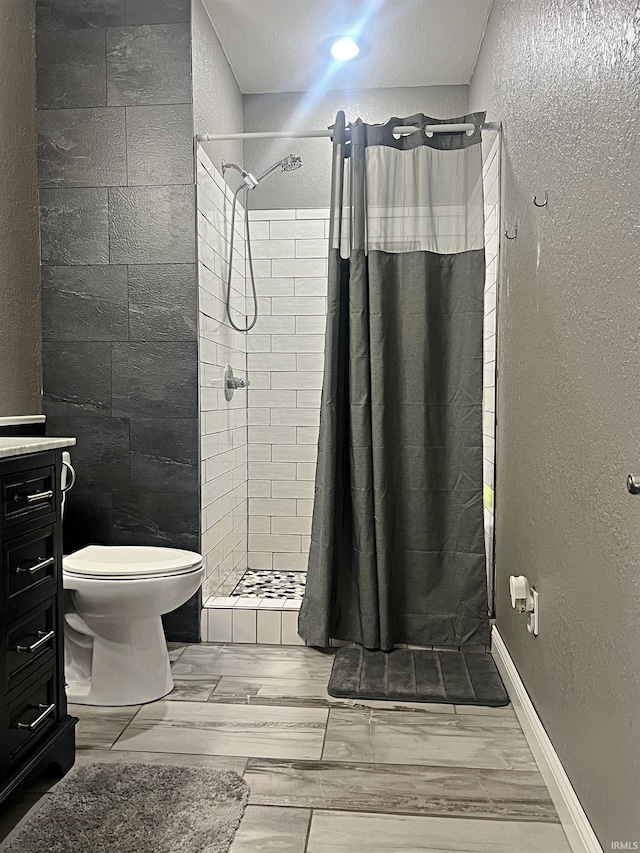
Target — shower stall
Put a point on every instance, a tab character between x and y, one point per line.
259	448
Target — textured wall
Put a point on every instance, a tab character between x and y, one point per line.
310	187
564	77
119	290
217	101
20	348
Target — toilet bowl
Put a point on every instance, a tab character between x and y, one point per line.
115	650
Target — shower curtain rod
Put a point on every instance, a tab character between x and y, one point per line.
467	127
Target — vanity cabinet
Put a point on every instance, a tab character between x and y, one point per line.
35	729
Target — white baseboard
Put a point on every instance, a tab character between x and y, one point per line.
575	823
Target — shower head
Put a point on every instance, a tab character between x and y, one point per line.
291	163
287	164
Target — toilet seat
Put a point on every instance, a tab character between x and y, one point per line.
130	562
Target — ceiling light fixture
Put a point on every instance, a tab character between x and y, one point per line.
344	49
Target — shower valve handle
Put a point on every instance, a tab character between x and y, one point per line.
231	383
236	382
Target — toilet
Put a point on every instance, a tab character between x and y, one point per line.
115	650
114	646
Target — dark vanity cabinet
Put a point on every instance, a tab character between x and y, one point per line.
36	731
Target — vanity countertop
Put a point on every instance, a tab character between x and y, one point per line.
21	445
19	420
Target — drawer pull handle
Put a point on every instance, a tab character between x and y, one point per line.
45	636
47	710
38	496
38	567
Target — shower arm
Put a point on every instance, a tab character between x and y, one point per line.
235	166
248	180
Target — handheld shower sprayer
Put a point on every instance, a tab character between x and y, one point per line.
250	182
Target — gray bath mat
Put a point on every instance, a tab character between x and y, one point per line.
417	675
137	808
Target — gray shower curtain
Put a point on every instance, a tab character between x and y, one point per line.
397	548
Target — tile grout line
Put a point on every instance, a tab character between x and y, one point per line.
324	738
308	836
491	818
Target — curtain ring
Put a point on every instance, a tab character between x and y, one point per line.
513	236
544	203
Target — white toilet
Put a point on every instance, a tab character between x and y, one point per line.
115	650
114	646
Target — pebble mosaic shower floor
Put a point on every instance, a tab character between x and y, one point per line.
269	583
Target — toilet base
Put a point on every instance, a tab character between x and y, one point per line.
129	663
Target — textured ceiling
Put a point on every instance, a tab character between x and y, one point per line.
283	45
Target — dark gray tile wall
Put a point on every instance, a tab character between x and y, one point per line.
79	14
82	148
159	145
158	12
85	303
119	289
149	65
149	225
74	226
71	68
161	300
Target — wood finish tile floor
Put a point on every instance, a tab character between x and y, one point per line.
329	775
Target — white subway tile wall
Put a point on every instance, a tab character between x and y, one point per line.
491	182
223	425
285	363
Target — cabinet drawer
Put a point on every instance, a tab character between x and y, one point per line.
27	494
32	715
30	567
32	642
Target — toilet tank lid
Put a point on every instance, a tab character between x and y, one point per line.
130	561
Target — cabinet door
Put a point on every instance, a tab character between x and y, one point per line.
30	717
31	643
27	494
31	566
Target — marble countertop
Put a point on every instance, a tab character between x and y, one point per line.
18	420
21	445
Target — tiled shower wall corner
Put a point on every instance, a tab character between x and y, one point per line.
491	182
223	424
285	362
119	290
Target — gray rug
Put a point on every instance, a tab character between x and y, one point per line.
137	808
417	675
